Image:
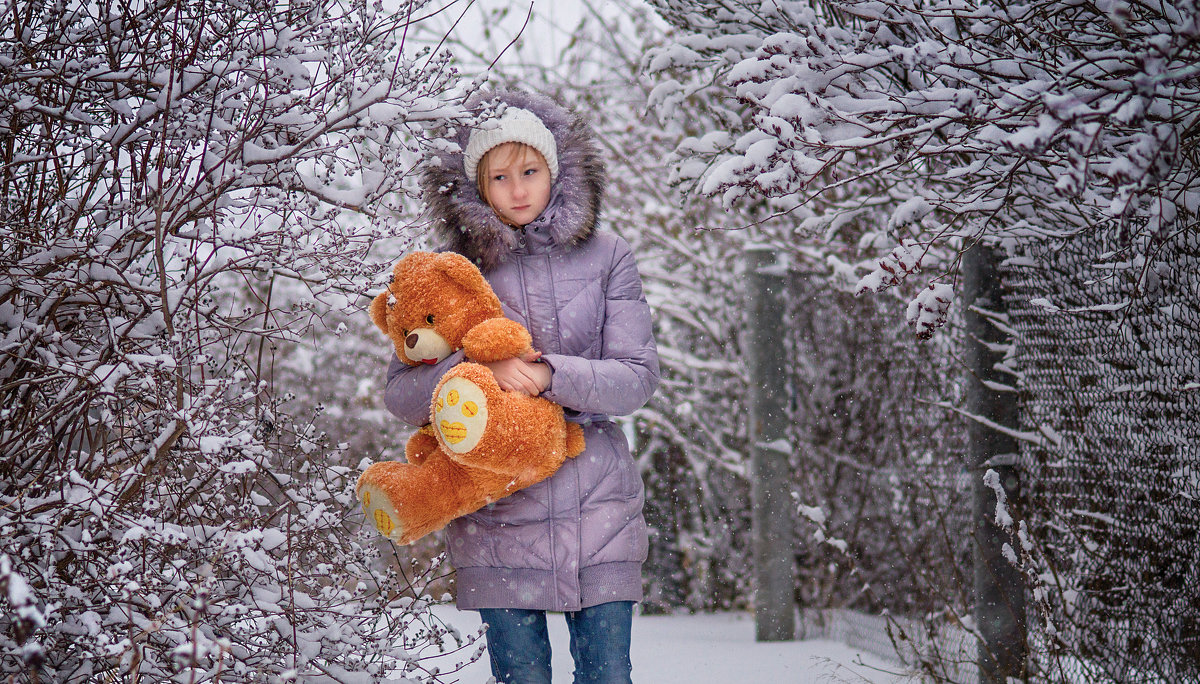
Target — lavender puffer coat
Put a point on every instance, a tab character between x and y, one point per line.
578	538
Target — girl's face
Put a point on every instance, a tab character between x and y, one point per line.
515	182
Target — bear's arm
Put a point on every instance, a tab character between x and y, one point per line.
496	339
626	374
409	389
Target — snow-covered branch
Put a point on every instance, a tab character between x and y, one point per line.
1001	123
173	202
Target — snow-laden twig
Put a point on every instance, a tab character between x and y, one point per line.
1041	438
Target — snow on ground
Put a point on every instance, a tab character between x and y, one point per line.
705	649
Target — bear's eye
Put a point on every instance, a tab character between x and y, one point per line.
429	319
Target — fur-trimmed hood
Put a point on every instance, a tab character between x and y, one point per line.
467	225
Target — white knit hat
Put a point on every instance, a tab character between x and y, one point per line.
516	125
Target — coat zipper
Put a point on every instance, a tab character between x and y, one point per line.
550	482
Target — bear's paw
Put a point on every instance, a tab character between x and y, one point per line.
378	509
460	414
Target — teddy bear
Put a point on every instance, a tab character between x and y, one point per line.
482	443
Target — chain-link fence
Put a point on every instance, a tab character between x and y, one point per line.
1108	347
1107	357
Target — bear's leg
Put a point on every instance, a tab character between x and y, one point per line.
422	443
406	502
373	487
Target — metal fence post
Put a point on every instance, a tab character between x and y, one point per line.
999	589
772	506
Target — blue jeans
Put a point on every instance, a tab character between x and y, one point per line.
519	645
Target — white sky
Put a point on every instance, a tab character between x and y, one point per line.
486	27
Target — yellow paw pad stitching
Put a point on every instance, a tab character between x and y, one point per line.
383	522
453	432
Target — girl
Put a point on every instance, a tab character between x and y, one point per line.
521	200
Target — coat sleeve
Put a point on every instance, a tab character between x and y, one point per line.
626	374
410	388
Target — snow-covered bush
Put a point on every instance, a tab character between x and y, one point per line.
1063	135
957	122
173	202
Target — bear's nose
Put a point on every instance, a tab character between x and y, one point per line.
411	340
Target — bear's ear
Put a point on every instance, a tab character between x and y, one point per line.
406	270
412	265
463	273
379	311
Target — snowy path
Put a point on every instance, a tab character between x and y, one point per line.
706	649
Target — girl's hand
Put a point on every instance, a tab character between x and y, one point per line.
523	374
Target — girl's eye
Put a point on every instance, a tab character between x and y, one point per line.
498	178
530	172
429	319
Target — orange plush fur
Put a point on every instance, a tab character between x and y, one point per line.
482	443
